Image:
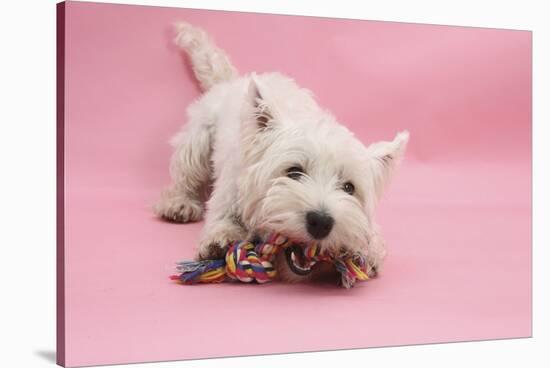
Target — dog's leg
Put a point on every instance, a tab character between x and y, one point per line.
218	234
376	252
223	223
183	200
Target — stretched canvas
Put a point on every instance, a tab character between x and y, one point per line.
456	216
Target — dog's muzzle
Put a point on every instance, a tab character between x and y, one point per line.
297	262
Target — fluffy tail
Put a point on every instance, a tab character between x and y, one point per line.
210	64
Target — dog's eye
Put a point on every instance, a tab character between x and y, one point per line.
349	188
294	172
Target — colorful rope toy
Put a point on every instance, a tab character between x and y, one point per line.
248	262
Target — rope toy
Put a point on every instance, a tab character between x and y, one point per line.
249	262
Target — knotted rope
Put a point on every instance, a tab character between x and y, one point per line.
248	262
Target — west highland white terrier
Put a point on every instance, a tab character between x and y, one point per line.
275	162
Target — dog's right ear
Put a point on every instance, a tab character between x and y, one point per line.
258	118
260	110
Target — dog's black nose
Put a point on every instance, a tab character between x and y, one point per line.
318	224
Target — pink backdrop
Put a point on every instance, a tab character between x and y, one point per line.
457	218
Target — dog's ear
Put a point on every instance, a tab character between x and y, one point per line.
384	158
258	117
260	109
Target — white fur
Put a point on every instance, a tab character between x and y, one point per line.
244	133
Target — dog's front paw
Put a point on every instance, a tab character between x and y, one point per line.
215	242
176	207
372	270
374	263
212	251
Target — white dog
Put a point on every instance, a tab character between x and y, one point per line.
278	162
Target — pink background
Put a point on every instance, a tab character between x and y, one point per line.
457	218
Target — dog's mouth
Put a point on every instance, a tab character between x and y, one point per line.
297	262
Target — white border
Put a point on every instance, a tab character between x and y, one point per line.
27	203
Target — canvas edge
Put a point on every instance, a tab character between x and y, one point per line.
60	183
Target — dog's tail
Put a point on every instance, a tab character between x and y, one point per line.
210	64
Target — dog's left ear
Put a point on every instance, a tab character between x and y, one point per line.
384	158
